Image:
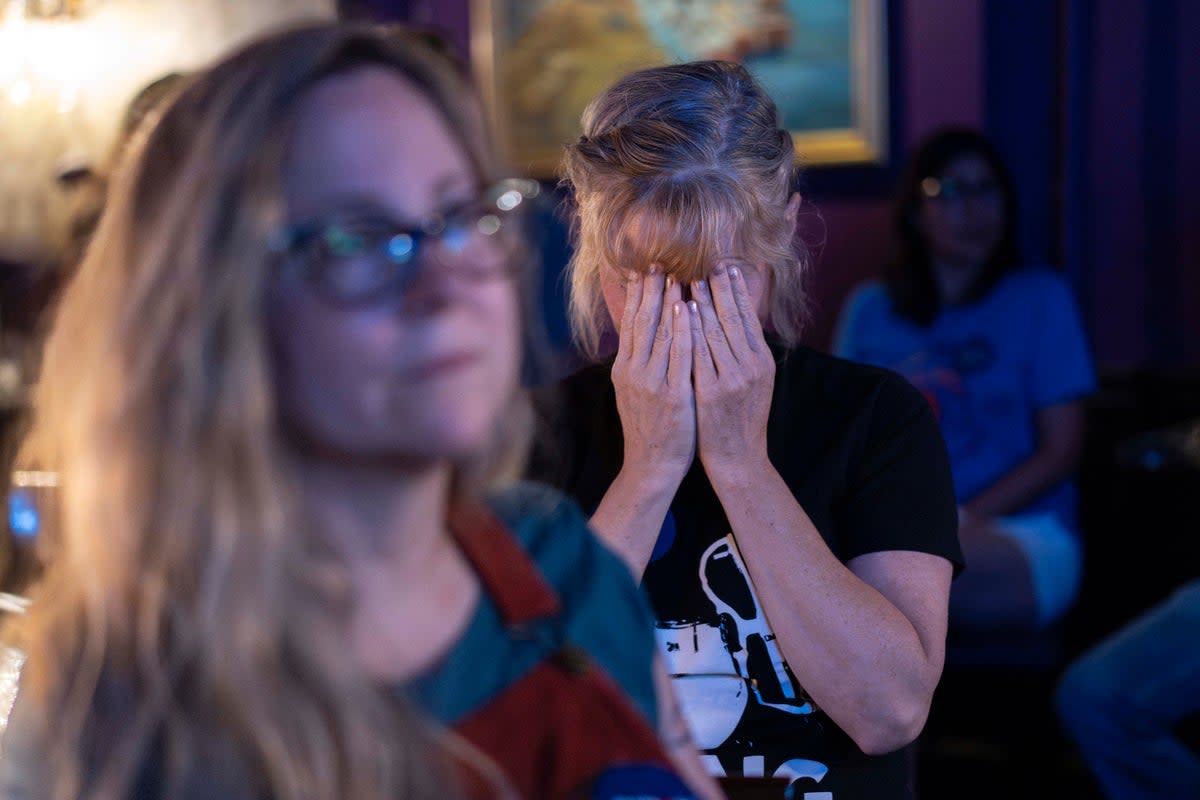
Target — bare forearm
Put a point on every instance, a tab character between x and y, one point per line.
854	652
1022	485
631	514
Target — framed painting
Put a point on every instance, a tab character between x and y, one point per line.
539	62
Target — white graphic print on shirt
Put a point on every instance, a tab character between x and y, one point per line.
724	672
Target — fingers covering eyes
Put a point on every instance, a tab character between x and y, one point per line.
715	338
633	297
750	323
679	370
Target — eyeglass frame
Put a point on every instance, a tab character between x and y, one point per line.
500	201
934	188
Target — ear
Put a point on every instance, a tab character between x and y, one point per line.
793	210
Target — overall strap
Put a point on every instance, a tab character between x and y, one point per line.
511	578
578	731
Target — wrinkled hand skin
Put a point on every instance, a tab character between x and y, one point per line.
733	372
652	376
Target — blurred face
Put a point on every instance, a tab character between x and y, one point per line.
417	370
962	215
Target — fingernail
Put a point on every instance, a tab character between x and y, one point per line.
654	269
734	271
693	307
720	270
670	281
676	309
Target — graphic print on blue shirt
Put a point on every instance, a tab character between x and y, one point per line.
946	373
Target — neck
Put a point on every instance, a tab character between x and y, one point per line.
954	280
379	512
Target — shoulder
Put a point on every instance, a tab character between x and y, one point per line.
867	319
603	609
881	444
868	300
839	383
831	407
539	516
868	293
553	530
1030	285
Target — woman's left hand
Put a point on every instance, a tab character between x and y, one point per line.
733	371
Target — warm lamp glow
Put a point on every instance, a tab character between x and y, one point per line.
68	68
20	92
56	57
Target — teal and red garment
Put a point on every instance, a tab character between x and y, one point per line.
552	679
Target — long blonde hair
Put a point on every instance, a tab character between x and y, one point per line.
676	166
183	576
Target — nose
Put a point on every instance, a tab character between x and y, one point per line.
976	208
451	264
434	288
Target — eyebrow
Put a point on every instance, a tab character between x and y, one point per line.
357	203
371	205
448	183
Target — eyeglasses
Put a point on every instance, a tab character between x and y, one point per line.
366	259
955	189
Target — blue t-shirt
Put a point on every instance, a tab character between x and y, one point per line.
986	368
603	612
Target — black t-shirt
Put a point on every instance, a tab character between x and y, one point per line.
861	451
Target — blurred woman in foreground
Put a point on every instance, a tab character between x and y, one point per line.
278	392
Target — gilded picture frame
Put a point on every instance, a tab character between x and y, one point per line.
539	62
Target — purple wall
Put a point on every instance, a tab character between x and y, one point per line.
1133	209
1116	238
1186	189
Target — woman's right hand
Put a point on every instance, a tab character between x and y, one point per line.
652	376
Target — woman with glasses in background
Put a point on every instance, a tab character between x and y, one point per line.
999	351
282	395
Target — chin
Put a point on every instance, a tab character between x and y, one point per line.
452	437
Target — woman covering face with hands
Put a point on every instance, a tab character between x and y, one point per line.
790	515
694	376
